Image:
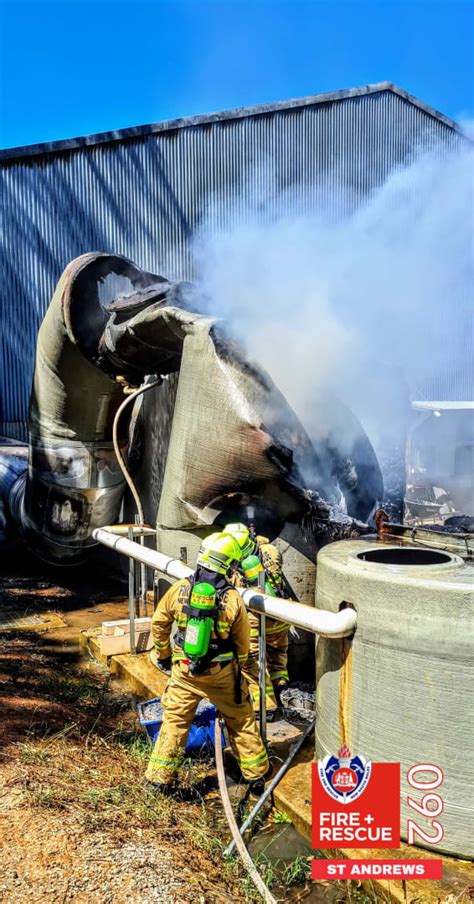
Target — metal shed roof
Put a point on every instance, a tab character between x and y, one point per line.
51	147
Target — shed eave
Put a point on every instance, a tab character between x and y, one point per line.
68	144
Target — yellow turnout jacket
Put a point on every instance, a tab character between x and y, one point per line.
232	624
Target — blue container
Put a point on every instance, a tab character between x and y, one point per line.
201	733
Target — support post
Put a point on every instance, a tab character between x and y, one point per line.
131	595
262	665
142	577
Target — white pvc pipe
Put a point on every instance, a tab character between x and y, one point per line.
175	568
121	530
317	621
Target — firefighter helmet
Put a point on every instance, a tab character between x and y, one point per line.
241	533
218	552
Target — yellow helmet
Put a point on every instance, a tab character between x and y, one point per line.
218	552
241	534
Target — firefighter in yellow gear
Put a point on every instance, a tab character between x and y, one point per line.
214	674
267	558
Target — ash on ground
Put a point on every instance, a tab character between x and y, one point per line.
298	703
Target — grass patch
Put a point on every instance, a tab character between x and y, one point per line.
101	782
135	743
81	689
102	775
48	799
297	872
31	754
90	774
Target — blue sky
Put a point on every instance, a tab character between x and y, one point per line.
75	67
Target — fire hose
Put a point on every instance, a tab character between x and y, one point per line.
247	860
130	397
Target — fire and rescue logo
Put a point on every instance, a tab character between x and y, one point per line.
344	777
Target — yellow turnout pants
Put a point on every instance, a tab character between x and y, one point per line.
277	664
181	697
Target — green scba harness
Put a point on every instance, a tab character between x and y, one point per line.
202	618
198	645
202	613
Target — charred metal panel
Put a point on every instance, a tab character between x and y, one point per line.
143	192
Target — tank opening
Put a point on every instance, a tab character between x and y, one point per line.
405	557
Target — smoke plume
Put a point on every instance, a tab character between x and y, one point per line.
359	302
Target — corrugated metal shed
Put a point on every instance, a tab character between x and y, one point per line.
143	191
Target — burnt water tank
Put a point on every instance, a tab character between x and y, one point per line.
401	689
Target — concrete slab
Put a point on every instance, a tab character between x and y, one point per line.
136	670
293	794
282	732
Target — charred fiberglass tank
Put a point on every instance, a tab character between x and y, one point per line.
401	689
215	440
73	482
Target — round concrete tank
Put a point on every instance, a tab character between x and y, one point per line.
400	690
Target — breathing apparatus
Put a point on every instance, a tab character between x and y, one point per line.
216	555
201	613
254	573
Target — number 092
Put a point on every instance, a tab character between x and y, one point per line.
430	805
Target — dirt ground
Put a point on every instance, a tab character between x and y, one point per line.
76	822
